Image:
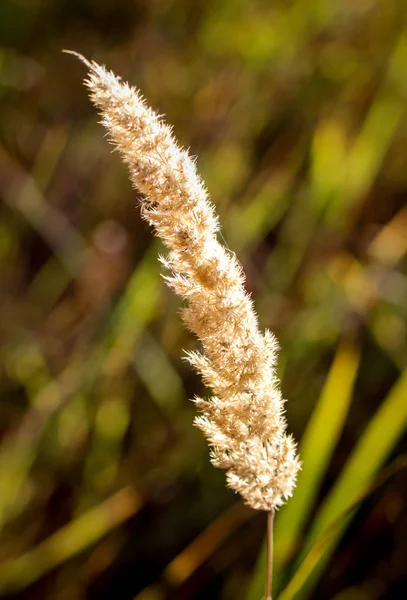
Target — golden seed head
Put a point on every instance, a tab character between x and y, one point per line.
243	420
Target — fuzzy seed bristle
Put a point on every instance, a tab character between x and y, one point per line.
243	420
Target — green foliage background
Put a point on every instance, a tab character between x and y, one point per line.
297	113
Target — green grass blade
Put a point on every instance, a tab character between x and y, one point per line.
69	541
154	367
380	437
317	447
316	450
136	309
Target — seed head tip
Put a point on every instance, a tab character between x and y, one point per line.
79	56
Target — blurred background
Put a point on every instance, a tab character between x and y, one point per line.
297	113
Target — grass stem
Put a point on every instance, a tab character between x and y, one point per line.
269	572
